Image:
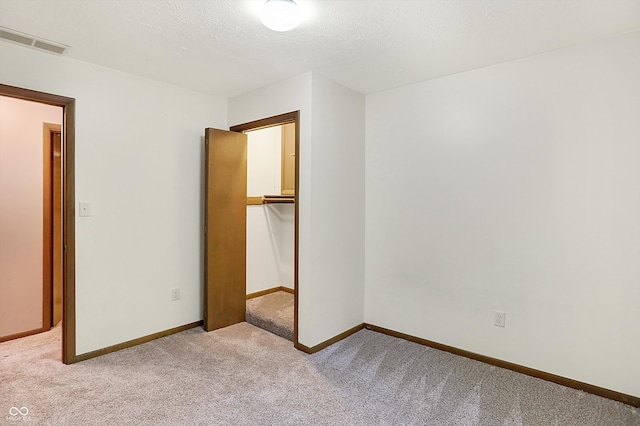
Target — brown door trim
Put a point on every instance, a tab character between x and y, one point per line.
276	120
68	209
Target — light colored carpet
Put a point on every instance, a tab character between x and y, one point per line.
242	375
272	312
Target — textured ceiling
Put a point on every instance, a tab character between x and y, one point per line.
221	47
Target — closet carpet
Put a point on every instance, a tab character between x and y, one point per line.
272	312
242	375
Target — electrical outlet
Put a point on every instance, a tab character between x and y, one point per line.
499	319
84	209
175	294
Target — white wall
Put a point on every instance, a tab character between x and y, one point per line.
139	156
270	246
270	228
282	220
513	187
21	212
337	155
330	286
262	261
264	161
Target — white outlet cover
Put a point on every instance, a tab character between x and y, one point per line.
499	319
84	209
175	294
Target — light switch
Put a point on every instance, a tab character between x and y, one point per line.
85	210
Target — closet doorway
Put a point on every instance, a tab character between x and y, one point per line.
270	228
251	222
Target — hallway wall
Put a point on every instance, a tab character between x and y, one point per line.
21	212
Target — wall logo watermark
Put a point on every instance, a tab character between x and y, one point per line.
18	413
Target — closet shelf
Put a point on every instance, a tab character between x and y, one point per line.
278	199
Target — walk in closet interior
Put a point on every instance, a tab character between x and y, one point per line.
271	228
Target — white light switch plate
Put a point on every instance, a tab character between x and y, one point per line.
85	210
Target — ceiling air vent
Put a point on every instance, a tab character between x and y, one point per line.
15	37
44	45
32	41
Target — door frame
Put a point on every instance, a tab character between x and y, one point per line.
50	213
68	208
277	120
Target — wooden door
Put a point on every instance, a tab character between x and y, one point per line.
225	228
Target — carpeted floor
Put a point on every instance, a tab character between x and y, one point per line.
242	375
272	312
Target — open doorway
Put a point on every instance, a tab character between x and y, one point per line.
29	213
225	226
289	125
270	228
65	259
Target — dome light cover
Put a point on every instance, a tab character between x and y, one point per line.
280	15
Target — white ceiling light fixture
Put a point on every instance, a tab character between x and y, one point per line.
280	15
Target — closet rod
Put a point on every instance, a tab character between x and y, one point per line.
278	199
